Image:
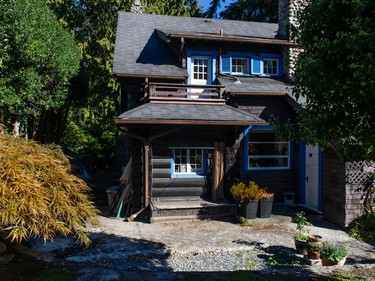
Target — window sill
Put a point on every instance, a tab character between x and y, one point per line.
184	176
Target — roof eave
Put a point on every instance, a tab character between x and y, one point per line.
258	93
188	122
142	75
235	39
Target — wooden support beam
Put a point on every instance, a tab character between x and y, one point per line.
146	173
218	171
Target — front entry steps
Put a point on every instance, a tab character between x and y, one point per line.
175	209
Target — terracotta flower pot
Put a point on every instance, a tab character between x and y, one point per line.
327	262
313	244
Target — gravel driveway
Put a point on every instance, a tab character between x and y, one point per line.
120	250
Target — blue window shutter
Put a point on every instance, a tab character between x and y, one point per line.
225	64
255	66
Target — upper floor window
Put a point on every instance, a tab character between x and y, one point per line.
260	64
200	68
240	65
270	66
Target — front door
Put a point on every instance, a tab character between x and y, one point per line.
312	180
201	72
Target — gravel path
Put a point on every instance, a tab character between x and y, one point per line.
121	249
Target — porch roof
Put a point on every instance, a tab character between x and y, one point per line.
188	114
254	85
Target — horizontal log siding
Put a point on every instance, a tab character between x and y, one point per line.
162	183
333	188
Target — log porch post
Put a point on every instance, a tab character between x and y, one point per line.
146	173
218	171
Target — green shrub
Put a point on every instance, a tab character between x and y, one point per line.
363	228
302	223
333	252
247	193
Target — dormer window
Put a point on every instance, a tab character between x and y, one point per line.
270	66
257	64
240	66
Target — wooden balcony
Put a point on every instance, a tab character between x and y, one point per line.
185	92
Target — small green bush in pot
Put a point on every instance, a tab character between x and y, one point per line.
333	253
248	196
246	193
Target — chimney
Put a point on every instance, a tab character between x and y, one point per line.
137	7
288	16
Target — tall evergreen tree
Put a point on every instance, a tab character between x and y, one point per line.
37	60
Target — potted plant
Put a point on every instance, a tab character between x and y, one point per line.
333	254
265	204
314	243
300	240
248	196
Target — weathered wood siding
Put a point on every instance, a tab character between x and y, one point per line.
278	182
333	187
342	188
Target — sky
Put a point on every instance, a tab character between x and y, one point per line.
206	3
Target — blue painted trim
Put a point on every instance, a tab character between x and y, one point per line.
262	128
291	155
260	57
320	158
204	167
302	173
212	54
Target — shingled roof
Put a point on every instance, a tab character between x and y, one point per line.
198	114
253	85
140	51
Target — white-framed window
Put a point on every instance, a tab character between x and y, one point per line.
188	161
200	68
267	151
240	65
270	66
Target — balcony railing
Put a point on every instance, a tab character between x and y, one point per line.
185	91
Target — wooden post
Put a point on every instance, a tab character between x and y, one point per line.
218	171
146	174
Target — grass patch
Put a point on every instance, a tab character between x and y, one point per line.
58	274
245	222
344	276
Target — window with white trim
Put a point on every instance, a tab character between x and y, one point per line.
267	151
200	68
188	161
240	65
270	66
